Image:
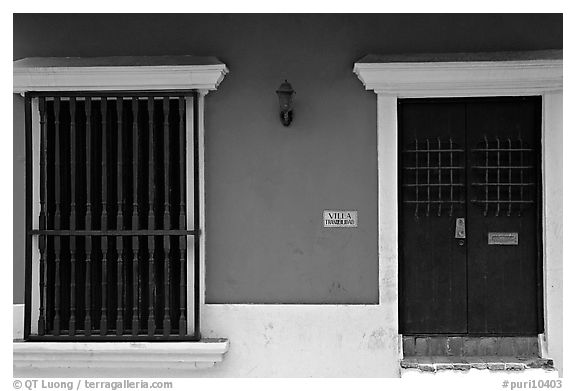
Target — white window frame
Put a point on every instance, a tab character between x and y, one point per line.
76	74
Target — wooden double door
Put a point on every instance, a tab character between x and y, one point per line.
469	216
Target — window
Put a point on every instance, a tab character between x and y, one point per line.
118	215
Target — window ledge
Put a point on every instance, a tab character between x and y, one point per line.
112	355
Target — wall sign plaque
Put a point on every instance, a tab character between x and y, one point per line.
340	218
503	238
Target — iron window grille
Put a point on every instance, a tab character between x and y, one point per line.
111	248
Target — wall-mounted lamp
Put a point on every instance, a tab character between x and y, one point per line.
285	93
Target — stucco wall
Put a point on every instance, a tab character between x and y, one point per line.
266	185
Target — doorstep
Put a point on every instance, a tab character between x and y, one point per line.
470	346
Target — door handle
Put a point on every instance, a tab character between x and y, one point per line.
460	232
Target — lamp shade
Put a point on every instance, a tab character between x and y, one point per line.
285	92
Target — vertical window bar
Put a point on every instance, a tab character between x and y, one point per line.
509	176
417	174
521	175
439	178
72	320
486	177
42	240
104	219
427	177
119	225
498	176
88	221
151	219
166	110
182	217
451	176
57	217
135	239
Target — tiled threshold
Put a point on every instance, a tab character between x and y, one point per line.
491	363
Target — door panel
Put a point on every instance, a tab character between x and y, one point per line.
502	279
433	266
476	159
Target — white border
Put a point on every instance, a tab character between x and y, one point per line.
35	160
190	214
190	202
391	81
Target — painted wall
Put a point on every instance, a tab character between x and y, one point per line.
266	185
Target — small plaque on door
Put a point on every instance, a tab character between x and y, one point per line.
503	238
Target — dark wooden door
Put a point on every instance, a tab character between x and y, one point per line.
469	202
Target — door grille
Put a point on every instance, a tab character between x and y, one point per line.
504	173
433	178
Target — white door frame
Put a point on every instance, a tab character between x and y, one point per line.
391	80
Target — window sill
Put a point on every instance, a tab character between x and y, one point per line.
131	356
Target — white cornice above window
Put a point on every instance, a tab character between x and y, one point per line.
461	74
117	73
